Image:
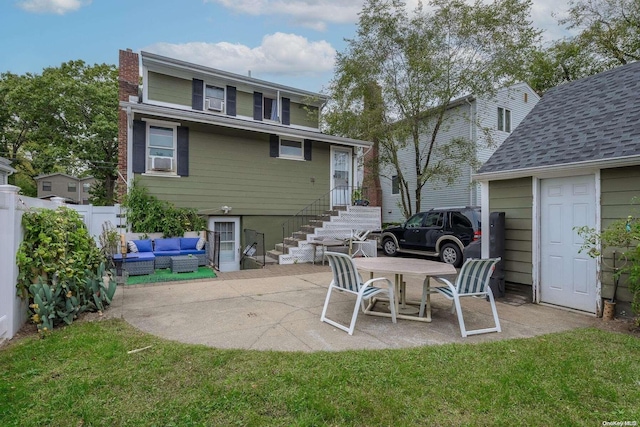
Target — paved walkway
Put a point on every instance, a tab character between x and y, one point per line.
278	308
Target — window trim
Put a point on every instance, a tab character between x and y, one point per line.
504	119
174	129
395	185
205	97
289	156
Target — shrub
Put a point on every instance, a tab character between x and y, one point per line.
147	214
61	268
623	234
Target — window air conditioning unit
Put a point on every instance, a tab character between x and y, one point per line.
213	104
161	163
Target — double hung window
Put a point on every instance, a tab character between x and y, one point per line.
214	98
46	185
395	185
291	149
161	146
504	119
270	108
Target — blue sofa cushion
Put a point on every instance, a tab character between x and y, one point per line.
191	252
187	243
143	245
167	253
135	257
172	244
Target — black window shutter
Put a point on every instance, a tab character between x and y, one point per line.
183	151
286	111
197	95
231	101
274	145
138	154
307	149
257	106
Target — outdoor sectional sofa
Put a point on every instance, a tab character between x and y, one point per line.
148	255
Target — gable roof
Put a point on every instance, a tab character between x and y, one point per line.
595	120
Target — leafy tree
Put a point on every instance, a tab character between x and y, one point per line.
420	63
64	120
609	28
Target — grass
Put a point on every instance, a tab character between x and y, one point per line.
84	375
165	275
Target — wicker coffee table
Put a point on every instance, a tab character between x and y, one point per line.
184	264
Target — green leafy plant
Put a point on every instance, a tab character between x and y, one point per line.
148	214
109	240
623	234
60	266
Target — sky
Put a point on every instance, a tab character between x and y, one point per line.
291	42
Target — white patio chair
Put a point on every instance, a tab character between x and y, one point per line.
347	279
357	239
472	281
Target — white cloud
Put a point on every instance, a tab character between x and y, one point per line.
279	53
59	7
313	14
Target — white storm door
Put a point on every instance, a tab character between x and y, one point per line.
567	278
229	230
340	176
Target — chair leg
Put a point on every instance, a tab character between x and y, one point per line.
456	305
354	316
323	316
495	311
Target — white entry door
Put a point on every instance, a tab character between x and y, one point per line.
341	176
567	278
229	230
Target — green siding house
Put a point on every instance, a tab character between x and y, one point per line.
245	152
573	161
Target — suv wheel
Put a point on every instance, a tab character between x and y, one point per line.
450	253
389	247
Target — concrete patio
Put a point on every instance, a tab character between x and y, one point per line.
279	308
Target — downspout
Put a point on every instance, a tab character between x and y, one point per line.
473	191
129	181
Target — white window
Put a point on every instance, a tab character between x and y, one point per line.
71	187
270	108
161	148
214	98
86	187
291	149
395	185
504	119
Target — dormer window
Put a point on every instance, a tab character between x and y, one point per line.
214	98
270	108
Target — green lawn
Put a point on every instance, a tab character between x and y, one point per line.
83	375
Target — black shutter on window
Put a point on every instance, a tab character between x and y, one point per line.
197	94
231	101
183	151
274	145
138	152
257	106
307	149
286	111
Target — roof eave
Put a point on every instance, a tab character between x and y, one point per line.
235	123
560	169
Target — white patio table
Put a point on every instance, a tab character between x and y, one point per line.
399	267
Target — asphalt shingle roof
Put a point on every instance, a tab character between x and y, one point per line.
595	118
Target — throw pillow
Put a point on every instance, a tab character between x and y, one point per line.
200	244
132	246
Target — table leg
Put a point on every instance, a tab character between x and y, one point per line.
426	290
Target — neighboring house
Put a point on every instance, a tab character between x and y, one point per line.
573	161
5	170
245	152
486	121
74	190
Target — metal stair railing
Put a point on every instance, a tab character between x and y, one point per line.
254	247
317	210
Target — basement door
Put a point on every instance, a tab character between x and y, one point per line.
229	229
567	278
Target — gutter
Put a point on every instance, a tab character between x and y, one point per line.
235	123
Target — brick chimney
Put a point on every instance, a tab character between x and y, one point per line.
128	78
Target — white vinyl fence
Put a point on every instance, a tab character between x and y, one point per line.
13	311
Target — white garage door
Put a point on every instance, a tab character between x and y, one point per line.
567	278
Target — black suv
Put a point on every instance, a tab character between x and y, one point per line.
440	232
